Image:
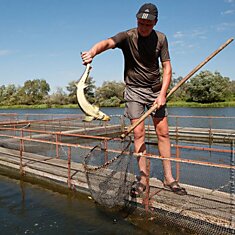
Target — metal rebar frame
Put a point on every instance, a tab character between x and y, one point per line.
22	135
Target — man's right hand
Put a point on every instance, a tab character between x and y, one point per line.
86	57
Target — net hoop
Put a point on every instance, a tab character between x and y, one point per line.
107	163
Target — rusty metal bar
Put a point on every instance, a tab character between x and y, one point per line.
147	194
107	138
106	152
37	121
177	150
57	146
178	147
21	153
203	117
177	164
69	166
203	148
189	161
56	132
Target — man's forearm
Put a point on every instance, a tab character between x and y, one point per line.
101	46
166	80
87	56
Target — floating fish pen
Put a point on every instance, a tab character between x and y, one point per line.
60	150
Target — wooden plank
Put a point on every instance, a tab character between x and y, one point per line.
193	190
55	166
37	157
41	170
200	203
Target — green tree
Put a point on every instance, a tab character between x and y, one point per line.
72	96
9	94
58	97
181	93
34	91
232	89
207	87
110	94
2	91
89	91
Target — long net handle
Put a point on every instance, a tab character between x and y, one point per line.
176	87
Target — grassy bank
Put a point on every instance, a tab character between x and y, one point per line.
198	105
170	104
38	106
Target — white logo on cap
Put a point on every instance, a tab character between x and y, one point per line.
145	16
147	10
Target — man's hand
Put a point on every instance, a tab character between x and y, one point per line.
160	101
86	57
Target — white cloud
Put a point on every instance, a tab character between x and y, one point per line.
178	35
178	42
193	34
5	52
229	1
228	12
225	26
188	41
199	33
191	46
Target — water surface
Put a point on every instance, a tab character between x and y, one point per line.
26	208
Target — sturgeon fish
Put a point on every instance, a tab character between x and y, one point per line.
92	111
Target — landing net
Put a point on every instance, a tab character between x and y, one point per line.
109	172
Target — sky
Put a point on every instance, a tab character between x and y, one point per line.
42	39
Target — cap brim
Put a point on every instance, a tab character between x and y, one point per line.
145	16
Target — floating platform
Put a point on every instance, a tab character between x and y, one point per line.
200	209
186	134
52	150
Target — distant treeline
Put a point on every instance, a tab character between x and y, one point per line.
206	87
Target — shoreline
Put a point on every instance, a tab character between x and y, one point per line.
169	104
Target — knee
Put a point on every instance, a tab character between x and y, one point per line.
139	134
163	135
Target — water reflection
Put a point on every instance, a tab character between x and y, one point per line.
29	209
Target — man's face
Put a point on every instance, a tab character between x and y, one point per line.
145	27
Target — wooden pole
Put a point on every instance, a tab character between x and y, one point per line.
176	87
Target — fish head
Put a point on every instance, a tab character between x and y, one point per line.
105	118
102	116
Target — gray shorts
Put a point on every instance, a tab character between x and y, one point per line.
138	99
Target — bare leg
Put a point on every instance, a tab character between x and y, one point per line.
139	143
164	147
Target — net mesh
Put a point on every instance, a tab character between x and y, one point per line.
110	173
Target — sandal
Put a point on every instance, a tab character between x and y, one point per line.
138	189
176	188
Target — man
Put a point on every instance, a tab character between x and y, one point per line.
142	47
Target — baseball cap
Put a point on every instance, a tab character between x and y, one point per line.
148	12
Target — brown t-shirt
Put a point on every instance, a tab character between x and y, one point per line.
141	55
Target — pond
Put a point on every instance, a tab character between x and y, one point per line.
26	208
